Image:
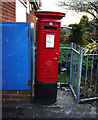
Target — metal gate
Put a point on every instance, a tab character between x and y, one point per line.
83	73
17	55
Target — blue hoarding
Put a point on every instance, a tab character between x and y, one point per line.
16	55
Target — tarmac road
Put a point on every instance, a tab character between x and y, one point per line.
65	107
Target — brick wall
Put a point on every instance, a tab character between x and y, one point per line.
32	18
16	96
7	12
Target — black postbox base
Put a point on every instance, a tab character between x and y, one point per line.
45	93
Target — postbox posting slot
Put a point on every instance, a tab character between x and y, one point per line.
50	28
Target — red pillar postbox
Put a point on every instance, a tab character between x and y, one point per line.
47	56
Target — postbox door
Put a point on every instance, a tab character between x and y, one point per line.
48	60
52	56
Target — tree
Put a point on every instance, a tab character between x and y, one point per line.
89	6
80	32
87	28
76	34
84	21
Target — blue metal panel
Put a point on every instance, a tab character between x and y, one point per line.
16	44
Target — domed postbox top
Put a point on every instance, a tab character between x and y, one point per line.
49	15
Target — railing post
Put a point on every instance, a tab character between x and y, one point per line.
79	74
71	62
96	80
91	74
86	77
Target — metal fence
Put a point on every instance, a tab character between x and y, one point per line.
89	87
83	72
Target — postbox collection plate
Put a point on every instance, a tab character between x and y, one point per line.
50	40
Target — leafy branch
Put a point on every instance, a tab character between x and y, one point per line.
91	47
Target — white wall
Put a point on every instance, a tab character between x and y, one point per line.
28	7
20	11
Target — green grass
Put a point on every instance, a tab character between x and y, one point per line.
63	78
